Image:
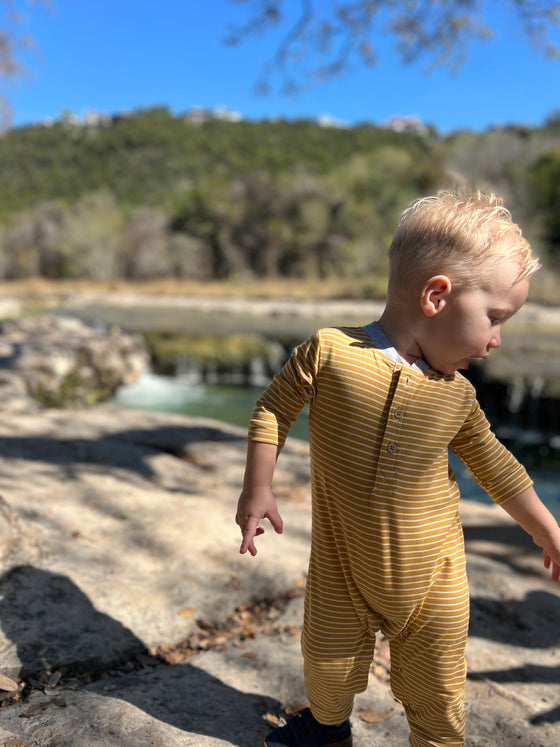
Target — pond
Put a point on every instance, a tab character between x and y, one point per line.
234	404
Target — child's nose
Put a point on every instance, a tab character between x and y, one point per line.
496	340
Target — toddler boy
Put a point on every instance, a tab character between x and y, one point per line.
386	402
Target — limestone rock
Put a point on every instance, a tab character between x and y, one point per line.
64	362
137	513
20	543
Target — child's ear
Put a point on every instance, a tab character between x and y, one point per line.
435	294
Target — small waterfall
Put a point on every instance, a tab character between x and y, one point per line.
530	425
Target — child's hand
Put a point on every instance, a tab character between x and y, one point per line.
251	510
550	544
530	513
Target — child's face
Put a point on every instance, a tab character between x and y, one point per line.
470	323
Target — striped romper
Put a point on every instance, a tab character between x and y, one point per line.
387	551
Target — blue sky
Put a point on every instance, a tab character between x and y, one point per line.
120	55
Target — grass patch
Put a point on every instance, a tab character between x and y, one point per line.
51	291
545	288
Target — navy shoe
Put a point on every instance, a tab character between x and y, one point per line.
303	730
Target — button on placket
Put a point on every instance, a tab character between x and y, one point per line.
393	428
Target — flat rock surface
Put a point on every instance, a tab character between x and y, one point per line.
131	618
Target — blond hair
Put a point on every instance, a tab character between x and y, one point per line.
462	235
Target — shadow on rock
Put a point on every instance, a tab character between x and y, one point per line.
50	624
525	673
129	449
547	718
509	536
528	623
196	702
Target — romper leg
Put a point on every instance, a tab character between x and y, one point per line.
428	669
337	644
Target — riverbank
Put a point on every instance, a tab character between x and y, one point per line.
130	619
286	310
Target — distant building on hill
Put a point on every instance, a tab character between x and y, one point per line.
89	118
405	123
325	120
198	115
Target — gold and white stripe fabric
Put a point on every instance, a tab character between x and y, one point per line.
387	545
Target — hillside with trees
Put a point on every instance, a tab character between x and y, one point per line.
151	195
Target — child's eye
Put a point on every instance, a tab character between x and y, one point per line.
494	321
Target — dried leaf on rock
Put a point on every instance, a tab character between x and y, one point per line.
35	683
272	720
174	657
54	679
148	660
8	684
373	717
33	709
247	621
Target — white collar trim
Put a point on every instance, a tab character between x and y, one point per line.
380	340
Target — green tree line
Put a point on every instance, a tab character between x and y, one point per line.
151	195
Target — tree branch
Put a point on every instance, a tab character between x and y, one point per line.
325	41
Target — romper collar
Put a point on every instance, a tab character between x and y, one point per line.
381	341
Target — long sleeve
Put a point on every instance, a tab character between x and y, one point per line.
291	390
492	465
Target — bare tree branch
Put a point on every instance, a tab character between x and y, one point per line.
15	43
327	39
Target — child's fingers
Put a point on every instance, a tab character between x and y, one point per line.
249	531
248	543
252	546
276	521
